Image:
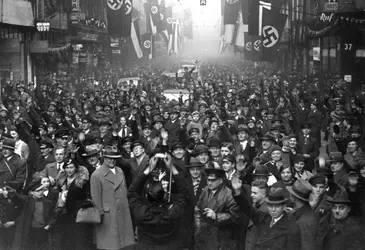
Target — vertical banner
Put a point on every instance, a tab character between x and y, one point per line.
146	43
231	9
119	14
273	24
253	48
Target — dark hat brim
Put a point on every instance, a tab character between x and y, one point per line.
8	147
333	201
195	165
268	201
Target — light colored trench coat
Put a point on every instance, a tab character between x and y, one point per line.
109	193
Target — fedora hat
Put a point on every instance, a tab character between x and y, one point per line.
300	189
111	152
90	150
276	196
340	196
194	162
9	144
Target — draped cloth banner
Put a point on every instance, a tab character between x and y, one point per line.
230	16
119	14
146	44
273	24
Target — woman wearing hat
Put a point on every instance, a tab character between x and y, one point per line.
275	161
299	168
276	230
354	156
72	183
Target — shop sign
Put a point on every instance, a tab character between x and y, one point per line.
75	5
87	36
316	53
331	6
116	51
75	58
326	17
39	46
348	78
43	26
76	16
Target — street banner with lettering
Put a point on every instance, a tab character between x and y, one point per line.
119	14
273	23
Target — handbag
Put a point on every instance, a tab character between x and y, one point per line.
88	215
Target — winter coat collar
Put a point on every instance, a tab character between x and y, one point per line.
81	177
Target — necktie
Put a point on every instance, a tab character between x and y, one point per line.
272	222
123	132
196	186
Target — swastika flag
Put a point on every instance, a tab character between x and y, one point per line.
273	24
119	13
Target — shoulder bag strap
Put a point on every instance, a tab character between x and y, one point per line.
7	165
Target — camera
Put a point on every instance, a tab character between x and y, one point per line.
160	156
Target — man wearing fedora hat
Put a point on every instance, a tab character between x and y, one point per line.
275	228
337	163
303	215
196	182
109	193
308	146
345	232
266	143
216	214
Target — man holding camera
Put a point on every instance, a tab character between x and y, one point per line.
156	218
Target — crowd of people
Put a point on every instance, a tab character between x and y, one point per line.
236	165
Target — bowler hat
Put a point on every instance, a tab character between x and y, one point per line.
300	189
276	196
214	172
8	143
340	196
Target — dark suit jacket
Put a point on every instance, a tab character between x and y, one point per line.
173	128
135	168
307	222
51	170
315	119
342	177
284	234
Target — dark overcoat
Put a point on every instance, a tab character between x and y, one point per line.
221	233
